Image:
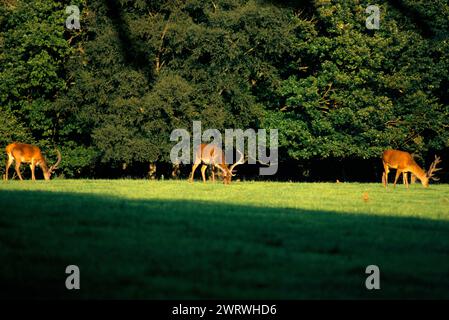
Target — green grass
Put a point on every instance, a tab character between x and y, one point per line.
172	239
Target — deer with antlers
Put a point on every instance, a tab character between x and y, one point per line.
27	153
403	162
211	154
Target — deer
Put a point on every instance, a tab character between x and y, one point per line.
403	162
27	153
211	154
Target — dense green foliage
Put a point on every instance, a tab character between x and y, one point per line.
165	239
110	94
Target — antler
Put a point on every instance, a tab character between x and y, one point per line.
240	161
263	163
55	166
433	168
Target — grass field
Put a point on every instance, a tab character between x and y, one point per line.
172	239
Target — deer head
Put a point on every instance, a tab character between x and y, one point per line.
49	172
228	173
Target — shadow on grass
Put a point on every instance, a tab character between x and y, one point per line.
161	249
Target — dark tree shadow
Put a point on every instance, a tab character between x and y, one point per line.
422	26
169	249
132	52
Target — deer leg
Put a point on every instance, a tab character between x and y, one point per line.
203	172
398	173
32	167
195	165
385	175
8	164
213	174
18	169
405	179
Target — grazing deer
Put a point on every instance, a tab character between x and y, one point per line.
27	153
211	154
403	162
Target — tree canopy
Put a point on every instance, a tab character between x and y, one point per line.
109	94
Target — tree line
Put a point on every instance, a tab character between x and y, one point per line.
109	94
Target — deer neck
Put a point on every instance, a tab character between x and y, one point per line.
418	172
224	168
43	165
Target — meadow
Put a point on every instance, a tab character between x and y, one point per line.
248	240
